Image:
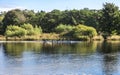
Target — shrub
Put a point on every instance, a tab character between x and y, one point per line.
9	33
37	30
15	31
26	29
32	30
82	30
63	28
29	28
114	32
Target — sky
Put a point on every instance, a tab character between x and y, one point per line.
48	5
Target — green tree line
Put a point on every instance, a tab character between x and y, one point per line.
106	20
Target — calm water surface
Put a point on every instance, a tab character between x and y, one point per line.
60	58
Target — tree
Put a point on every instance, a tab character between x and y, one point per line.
51	20
29	15
1	23
38	18
13	17
70	17
109	20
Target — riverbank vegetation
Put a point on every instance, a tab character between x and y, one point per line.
83	24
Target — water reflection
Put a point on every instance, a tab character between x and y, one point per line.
17	49
2	59
110	64
107	47
110	50
37	58
81	48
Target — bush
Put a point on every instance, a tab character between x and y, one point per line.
37	30
82	30
31	30
63	28
27	26
15	31
26	29
114	32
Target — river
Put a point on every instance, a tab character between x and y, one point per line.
59	58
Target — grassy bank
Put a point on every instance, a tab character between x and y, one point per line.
53	36
45	36
114	38
34	37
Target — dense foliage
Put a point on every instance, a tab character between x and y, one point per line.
105	21
76	31
13	17
23	30
30	30
63	28
82	30
15	31
110	19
